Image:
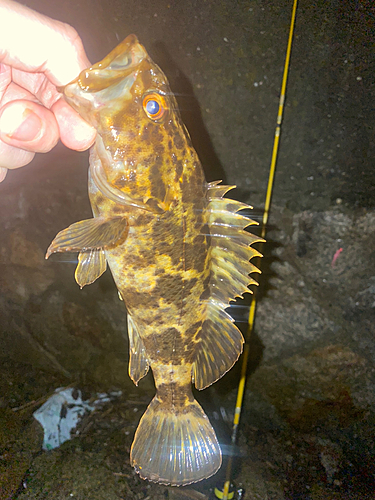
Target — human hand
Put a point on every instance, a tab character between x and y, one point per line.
37	54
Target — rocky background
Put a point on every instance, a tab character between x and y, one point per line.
307	428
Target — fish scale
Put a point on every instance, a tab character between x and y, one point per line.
177	249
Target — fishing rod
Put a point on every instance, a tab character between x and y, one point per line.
225	493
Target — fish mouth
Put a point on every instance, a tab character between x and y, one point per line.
108	83
116	66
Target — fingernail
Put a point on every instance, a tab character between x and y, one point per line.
3	173
20	123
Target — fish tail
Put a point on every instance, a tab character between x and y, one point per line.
175	445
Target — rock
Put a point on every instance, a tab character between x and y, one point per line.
304	388
22	282
24	252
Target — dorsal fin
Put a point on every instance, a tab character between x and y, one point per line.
220	340
230	245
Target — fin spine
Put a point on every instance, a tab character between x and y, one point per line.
221	341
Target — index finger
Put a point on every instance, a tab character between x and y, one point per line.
33	42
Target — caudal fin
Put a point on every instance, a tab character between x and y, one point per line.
175	447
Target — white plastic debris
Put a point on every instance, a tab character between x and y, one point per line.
61	413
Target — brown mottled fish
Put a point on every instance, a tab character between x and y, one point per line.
177	250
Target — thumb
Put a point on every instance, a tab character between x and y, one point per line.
29	126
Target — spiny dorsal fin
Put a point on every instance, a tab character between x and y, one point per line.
230	245
220	340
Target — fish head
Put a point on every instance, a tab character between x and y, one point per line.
127	98
106	86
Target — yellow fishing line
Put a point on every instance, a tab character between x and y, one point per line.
251	320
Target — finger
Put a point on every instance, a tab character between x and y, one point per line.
15	92
38	85
5	78
75	133
11	157
52	47
31	86
27	125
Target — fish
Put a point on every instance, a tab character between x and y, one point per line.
177	249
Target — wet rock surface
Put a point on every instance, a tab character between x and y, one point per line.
307	425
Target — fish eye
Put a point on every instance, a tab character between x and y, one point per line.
154	105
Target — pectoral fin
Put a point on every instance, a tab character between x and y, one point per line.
89	234
91	265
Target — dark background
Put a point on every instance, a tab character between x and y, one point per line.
307	428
